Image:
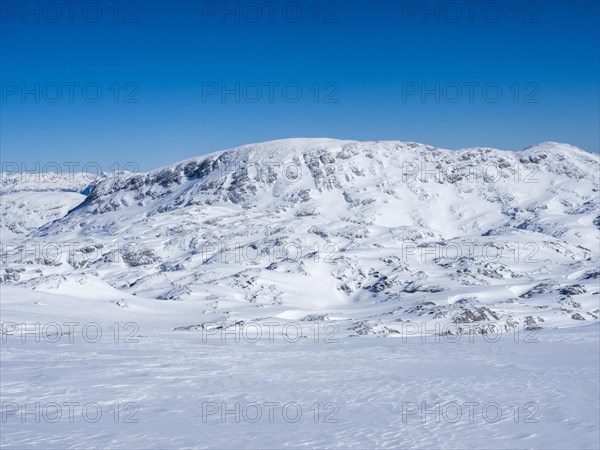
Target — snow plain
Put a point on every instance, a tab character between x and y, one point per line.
177	389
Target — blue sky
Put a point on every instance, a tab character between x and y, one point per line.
499	74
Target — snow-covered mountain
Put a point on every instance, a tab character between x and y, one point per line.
30	200
370	234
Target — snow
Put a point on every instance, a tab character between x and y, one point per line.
175	384
399	263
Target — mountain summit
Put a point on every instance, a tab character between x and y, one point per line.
370	233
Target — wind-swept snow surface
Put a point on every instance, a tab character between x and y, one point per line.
268	273
143	386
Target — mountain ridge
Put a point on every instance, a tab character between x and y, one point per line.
378	233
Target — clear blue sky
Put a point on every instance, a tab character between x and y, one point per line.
369	63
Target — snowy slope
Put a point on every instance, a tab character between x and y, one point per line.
372	234
30	200
169	309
